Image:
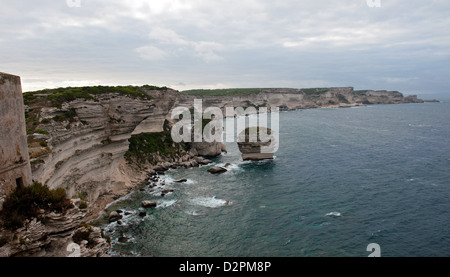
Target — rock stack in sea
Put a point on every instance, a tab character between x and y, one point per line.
258	148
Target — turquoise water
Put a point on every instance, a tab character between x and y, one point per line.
341	179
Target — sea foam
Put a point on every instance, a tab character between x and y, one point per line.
210	202
333	214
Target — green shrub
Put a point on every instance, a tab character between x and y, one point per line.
25	202
58	96
67	115
142	146
149	87
314	91
42	132
222	92
150	143
83	204
342	99
106	141
28	97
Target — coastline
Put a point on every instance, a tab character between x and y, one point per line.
81	145
140	177
230	186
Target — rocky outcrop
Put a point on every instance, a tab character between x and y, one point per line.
54	235
148	204
217	169
208	149
256	149
114	216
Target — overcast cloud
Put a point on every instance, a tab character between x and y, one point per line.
402	45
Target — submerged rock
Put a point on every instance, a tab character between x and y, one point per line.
142	214
180	181
123	239
164	192
217	169
148	204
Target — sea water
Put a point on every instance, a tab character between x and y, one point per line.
341	179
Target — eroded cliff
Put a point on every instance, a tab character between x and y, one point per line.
291	99
79	138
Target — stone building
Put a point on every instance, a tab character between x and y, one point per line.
15	167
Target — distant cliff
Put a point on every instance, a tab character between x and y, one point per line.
99	143
291	99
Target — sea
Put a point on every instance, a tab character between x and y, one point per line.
342	179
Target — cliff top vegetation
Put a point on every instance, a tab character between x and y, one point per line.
58	96
246	91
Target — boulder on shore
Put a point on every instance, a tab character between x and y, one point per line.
148	204
217	169
114	216
202	161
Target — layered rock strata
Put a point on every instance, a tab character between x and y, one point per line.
256	149
85	154
55	235
83	146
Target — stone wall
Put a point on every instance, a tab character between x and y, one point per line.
14	160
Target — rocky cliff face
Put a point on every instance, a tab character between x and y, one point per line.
81	144
84	152
290	99
55	235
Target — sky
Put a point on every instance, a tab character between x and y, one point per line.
185	44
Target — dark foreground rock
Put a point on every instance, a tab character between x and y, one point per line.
114	216
142	214
55	235
217	169
148	204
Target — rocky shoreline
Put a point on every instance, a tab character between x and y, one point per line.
83	146
55	235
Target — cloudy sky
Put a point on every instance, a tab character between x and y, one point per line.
401	45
